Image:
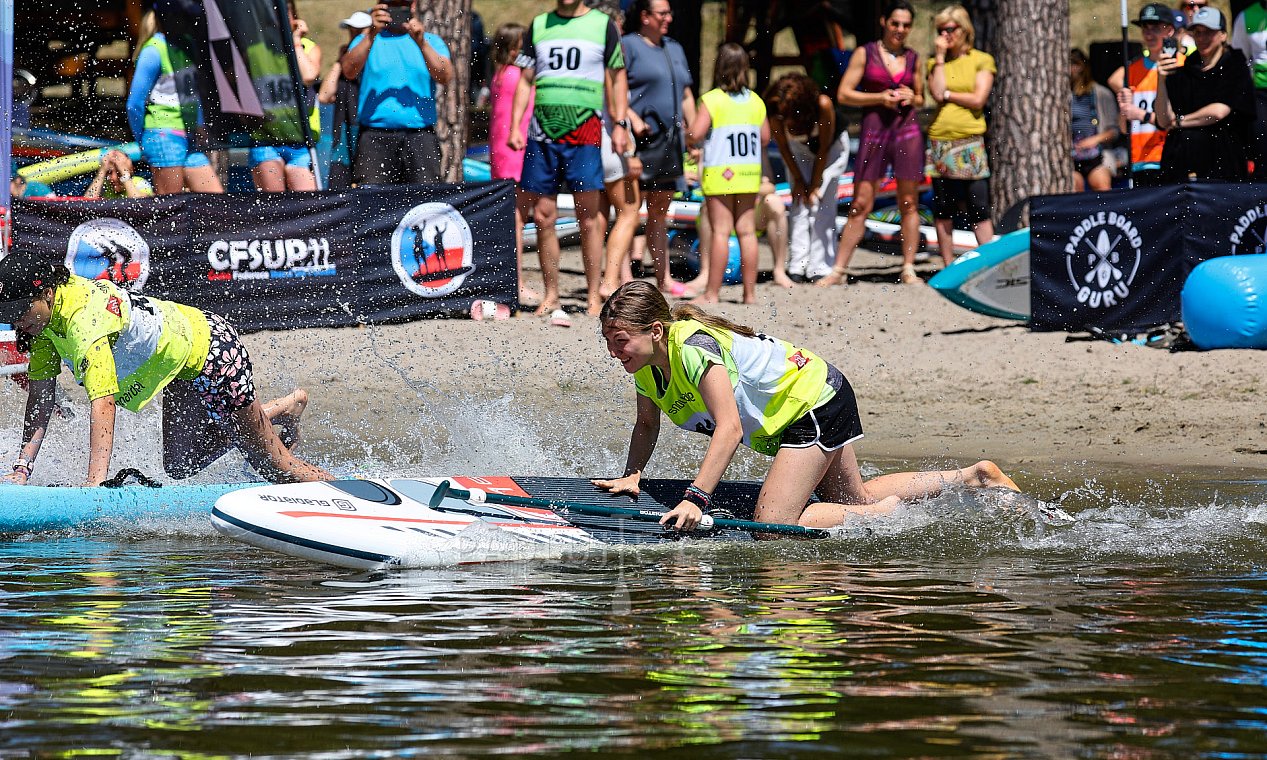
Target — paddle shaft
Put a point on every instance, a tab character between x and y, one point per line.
447	489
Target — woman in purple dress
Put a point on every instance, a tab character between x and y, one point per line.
883	80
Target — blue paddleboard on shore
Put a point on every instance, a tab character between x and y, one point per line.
26	509
992	279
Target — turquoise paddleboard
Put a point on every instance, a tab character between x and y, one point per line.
25	509
992	279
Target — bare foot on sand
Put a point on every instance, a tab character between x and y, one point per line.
783	281
834	278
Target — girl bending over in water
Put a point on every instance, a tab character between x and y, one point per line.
715	377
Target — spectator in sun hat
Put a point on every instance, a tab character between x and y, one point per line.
1249	35
1207	105
1136	87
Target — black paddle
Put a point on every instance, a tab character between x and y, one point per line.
446	489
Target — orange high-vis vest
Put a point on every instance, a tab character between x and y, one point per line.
1146	139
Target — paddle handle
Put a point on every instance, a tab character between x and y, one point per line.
707	522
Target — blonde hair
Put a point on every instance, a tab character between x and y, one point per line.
149	28
638	305
959	15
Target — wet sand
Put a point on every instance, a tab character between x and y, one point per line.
935	384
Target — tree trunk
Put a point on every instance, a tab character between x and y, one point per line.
451	19
1029	132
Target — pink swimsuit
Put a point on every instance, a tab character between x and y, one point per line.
888	137
504	162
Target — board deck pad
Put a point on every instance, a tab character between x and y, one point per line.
738	498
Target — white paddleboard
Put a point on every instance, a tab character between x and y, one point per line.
374	524
991	280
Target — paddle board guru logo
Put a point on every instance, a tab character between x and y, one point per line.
1102	258
109	249
1249	234
432	250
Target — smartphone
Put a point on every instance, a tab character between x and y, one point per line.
1169	46
400	11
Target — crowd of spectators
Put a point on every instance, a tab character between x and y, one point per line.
575	105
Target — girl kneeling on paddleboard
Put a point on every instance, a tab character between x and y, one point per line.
714	377
124	348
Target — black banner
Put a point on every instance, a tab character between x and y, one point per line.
281	261
1117	261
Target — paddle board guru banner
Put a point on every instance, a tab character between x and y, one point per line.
1118	260
290	260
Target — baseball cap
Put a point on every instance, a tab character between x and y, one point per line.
1155	13
358	20
23	276
1210	18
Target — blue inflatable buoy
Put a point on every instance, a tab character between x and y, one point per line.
1224	302
734	268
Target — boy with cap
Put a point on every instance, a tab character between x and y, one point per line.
125	348
1136	88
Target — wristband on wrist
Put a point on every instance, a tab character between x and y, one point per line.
22	465
697	496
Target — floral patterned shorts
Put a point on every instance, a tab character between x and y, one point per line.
226	383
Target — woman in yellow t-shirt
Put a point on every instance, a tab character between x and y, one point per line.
959	81
124	349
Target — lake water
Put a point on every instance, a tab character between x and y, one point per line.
947	631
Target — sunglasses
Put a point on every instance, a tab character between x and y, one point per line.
1195	5
948	30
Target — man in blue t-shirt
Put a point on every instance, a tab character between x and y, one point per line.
399	66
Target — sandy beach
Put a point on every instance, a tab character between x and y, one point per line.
936	385
934	381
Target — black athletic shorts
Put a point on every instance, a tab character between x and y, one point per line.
829	426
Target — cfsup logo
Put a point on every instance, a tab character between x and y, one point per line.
432	250
109	249
1102	258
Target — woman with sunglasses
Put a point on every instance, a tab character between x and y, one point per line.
959	81
882	80
1206	104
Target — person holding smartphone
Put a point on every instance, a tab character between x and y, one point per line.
1207	105
1136	88
399	65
